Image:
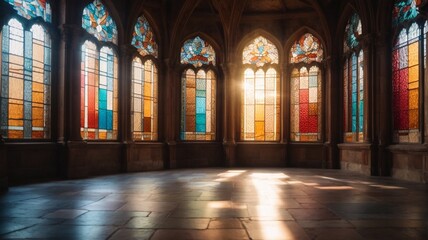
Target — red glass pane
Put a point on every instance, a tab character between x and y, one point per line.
313	124
403	120
304	96
303	118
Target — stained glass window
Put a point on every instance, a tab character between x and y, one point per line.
198	113
260	52
307	49
352	31
197	52
32	8
98	93
260	108
25	82
404	10
143	38
97	21
407	62
353	82
144	123
306	104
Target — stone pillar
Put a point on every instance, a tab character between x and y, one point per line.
382	105
332	109
4	182
75	165
230	117
125	75
171	112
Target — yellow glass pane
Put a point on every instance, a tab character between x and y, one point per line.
260	131
38	87
414	54
414	73
147	108
102	135
147	89
16	111
15	134
413	99
413	119
38	97
38	51
260	113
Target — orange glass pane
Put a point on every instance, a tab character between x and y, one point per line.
147	108
414	54
260	131
16	111
413	99
414	119
414	73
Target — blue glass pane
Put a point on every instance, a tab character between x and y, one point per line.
102	119
200	93
109	119
200	128
97	21
354	124
354	109
32	8
200	105
197	52
102	99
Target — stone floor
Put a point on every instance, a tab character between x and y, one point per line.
218	204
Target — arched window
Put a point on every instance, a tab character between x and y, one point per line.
25	100
353	81
99	71
198	91
260	106
306	89
407	71
144	110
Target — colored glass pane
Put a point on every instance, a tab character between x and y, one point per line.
97	21
305	100
30	9
261	108
260	51
307	49
198	105
25	82
403	11
98	93
143	38
144	100
406	64
197	52
352	31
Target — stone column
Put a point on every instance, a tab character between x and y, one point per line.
75	165
171	112
231	75
382	105
125	75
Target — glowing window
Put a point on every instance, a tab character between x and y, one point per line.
407	62
353	82
144	108
97	21
98	93
143	38
197	52
30	9
26	82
